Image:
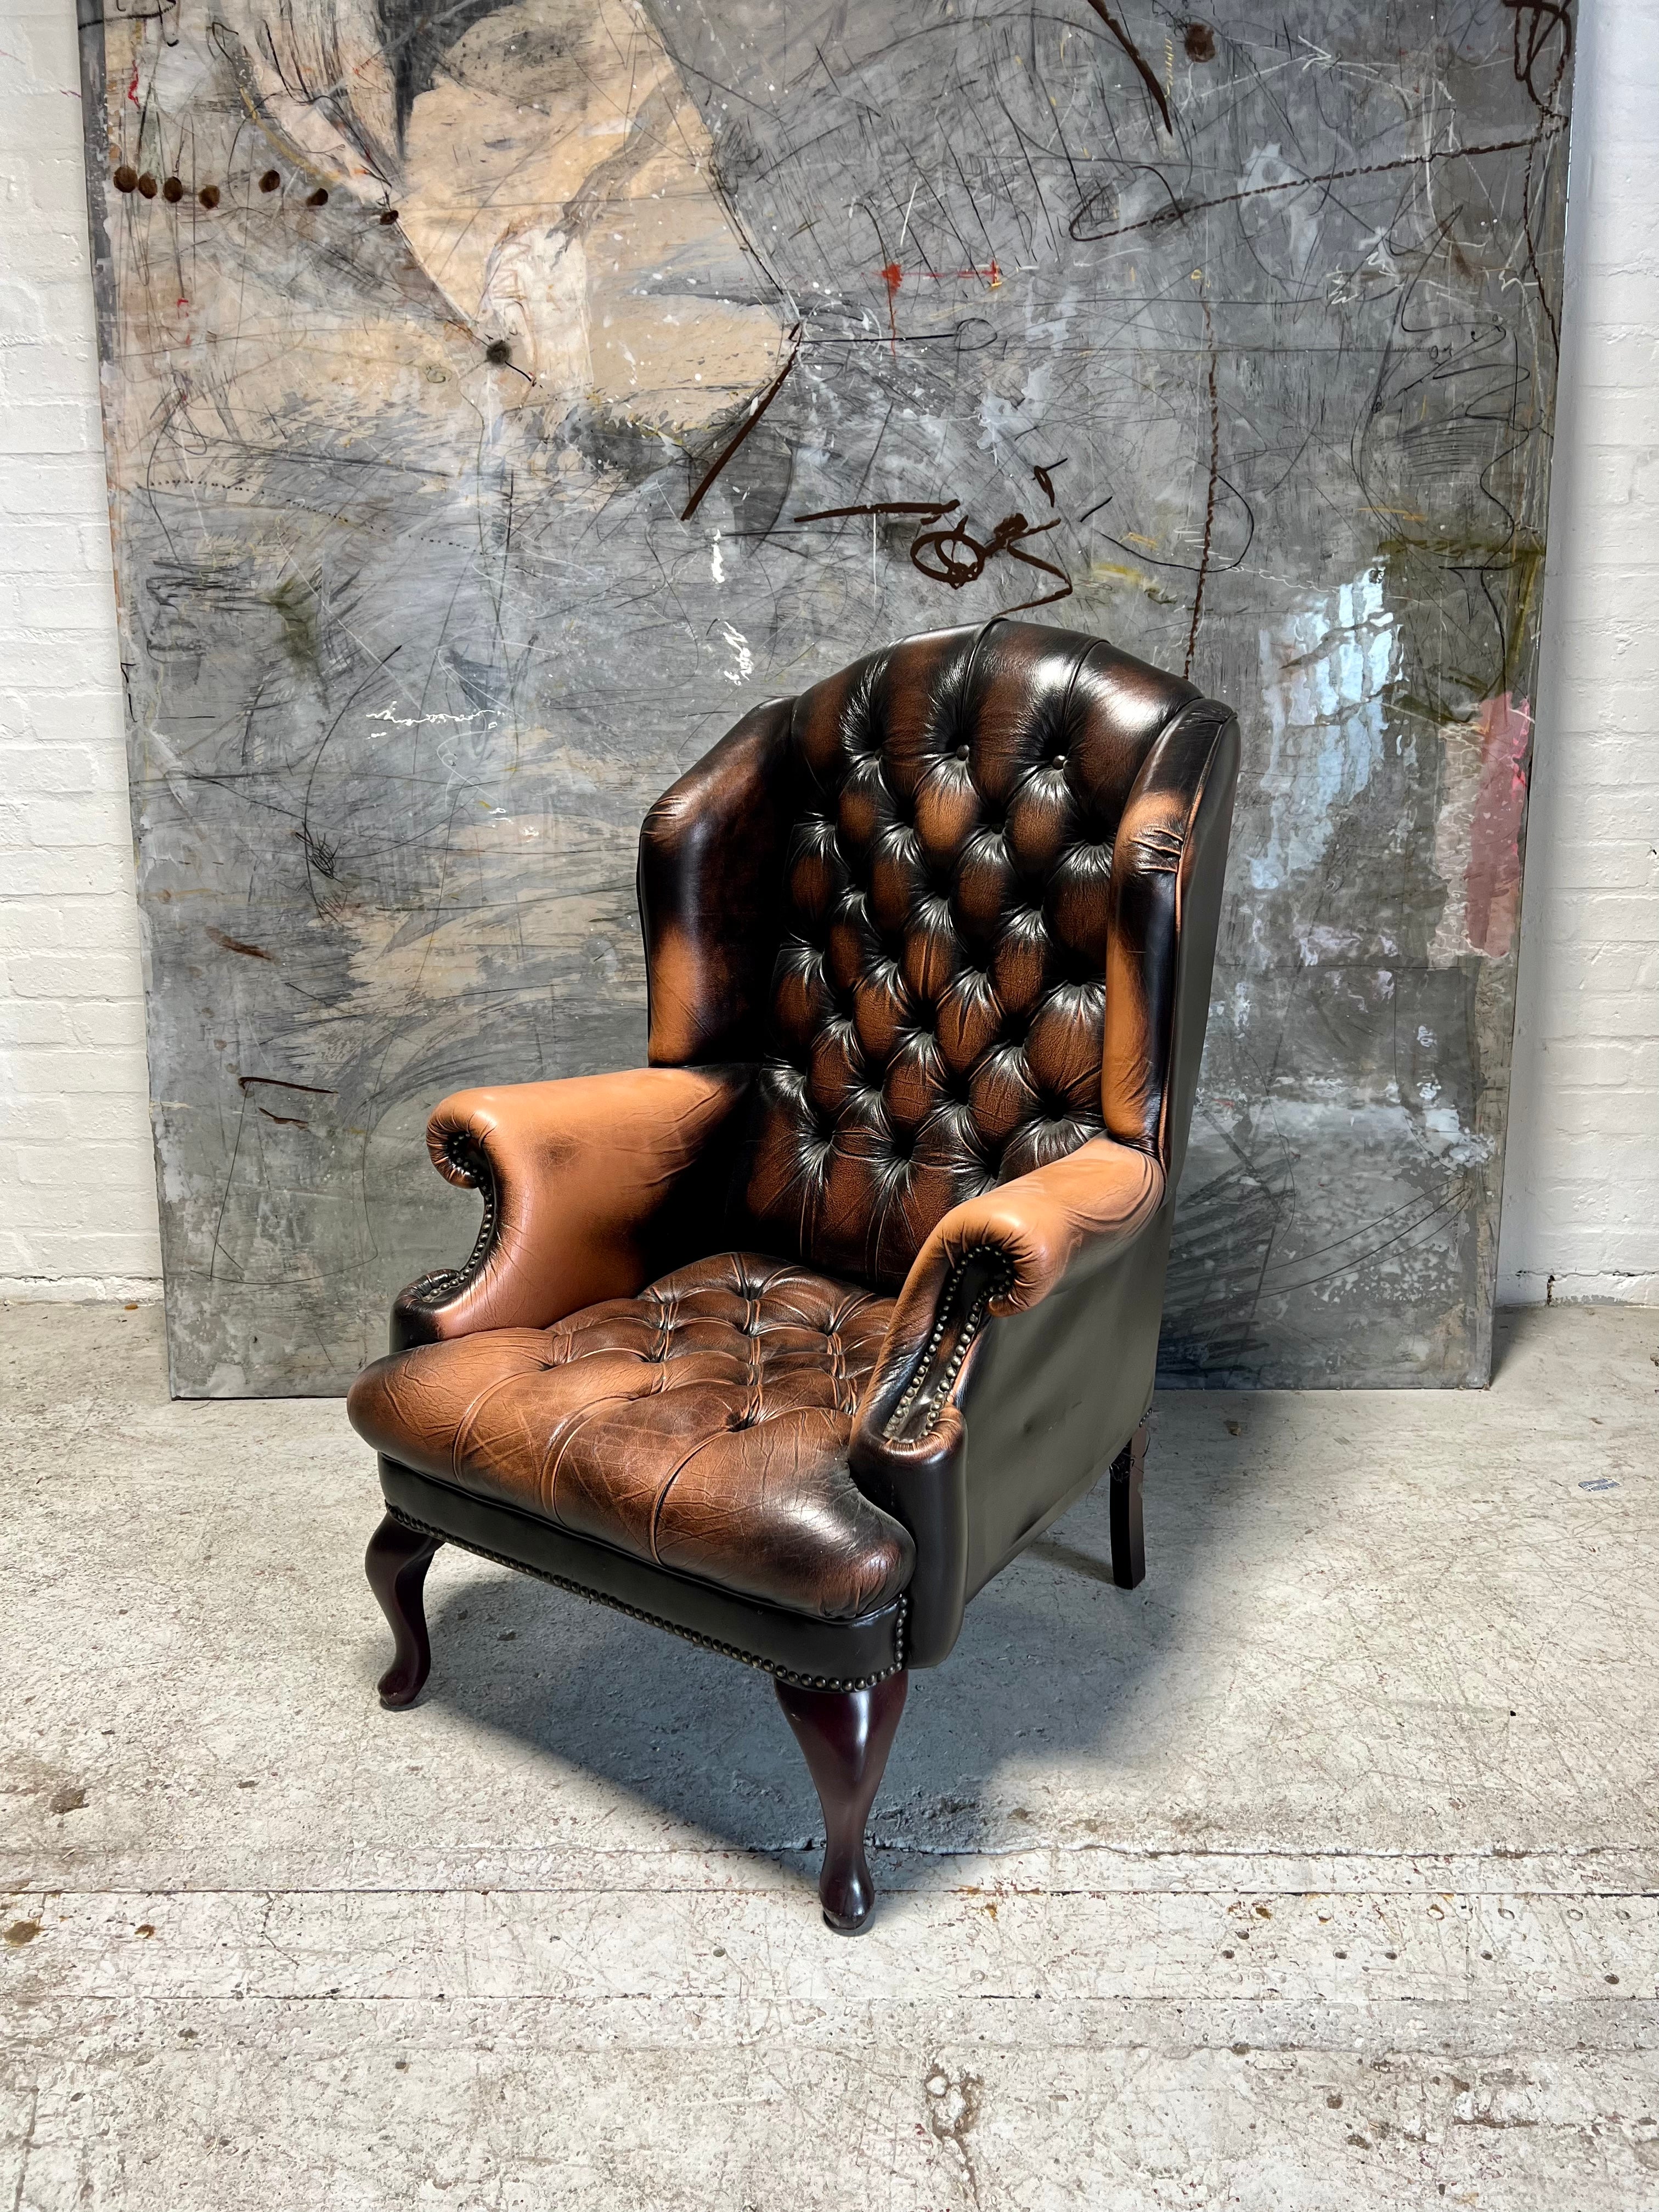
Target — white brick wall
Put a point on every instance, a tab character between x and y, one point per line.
1581	1194
78	1188
1581	1218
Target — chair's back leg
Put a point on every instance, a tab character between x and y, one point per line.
846	1735
396	1564
1129	1538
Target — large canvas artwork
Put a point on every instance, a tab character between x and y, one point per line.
502	398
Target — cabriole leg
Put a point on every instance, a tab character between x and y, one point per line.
396	1564
1128	1540
846	1735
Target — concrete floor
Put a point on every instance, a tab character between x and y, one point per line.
1319	1872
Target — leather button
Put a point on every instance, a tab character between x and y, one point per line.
962	752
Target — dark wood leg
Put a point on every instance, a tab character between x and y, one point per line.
847	1735
1129	1540
396	1564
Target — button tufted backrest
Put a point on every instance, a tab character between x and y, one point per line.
924	844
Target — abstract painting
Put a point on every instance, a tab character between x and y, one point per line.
502	397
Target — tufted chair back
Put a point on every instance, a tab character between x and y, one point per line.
923	898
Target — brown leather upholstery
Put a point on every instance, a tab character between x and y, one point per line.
1026	1234
589	1189
928	954
938	1001
702	1425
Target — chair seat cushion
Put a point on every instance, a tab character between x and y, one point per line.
702	1425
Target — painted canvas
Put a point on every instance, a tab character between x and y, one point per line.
502	398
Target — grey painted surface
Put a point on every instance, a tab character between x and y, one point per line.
1322	1870
1243	333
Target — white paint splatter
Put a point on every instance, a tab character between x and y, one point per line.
389	714
741	654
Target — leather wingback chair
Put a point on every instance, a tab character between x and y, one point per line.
791	1340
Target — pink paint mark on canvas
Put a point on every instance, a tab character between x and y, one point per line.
1492	886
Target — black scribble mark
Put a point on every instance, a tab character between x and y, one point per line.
1434	1215
1139	60
1235	1220
932	509
1046	478
1536	23
252	80
958	558
1539	20
322	853
417	39
1139	553
91	17
1179	210
246	1085
1209	497
235	945
756	409
954	557
284	1121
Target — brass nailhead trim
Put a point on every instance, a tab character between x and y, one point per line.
435	1290
971	1327
655	1620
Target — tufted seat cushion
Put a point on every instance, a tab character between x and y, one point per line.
702	1425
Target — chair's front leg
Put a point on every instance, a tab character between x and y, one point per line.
1123	1504
396	1564
846	1735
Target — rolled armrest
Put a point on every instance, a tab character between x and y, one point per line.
590	1187
994	1255
1000	1253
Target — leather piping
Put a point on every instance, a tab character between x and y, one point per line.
1183	862
656	1620
436	1290
970	1328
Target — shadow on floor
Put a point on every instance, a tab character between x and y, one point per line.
1054	1661
1510	1328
